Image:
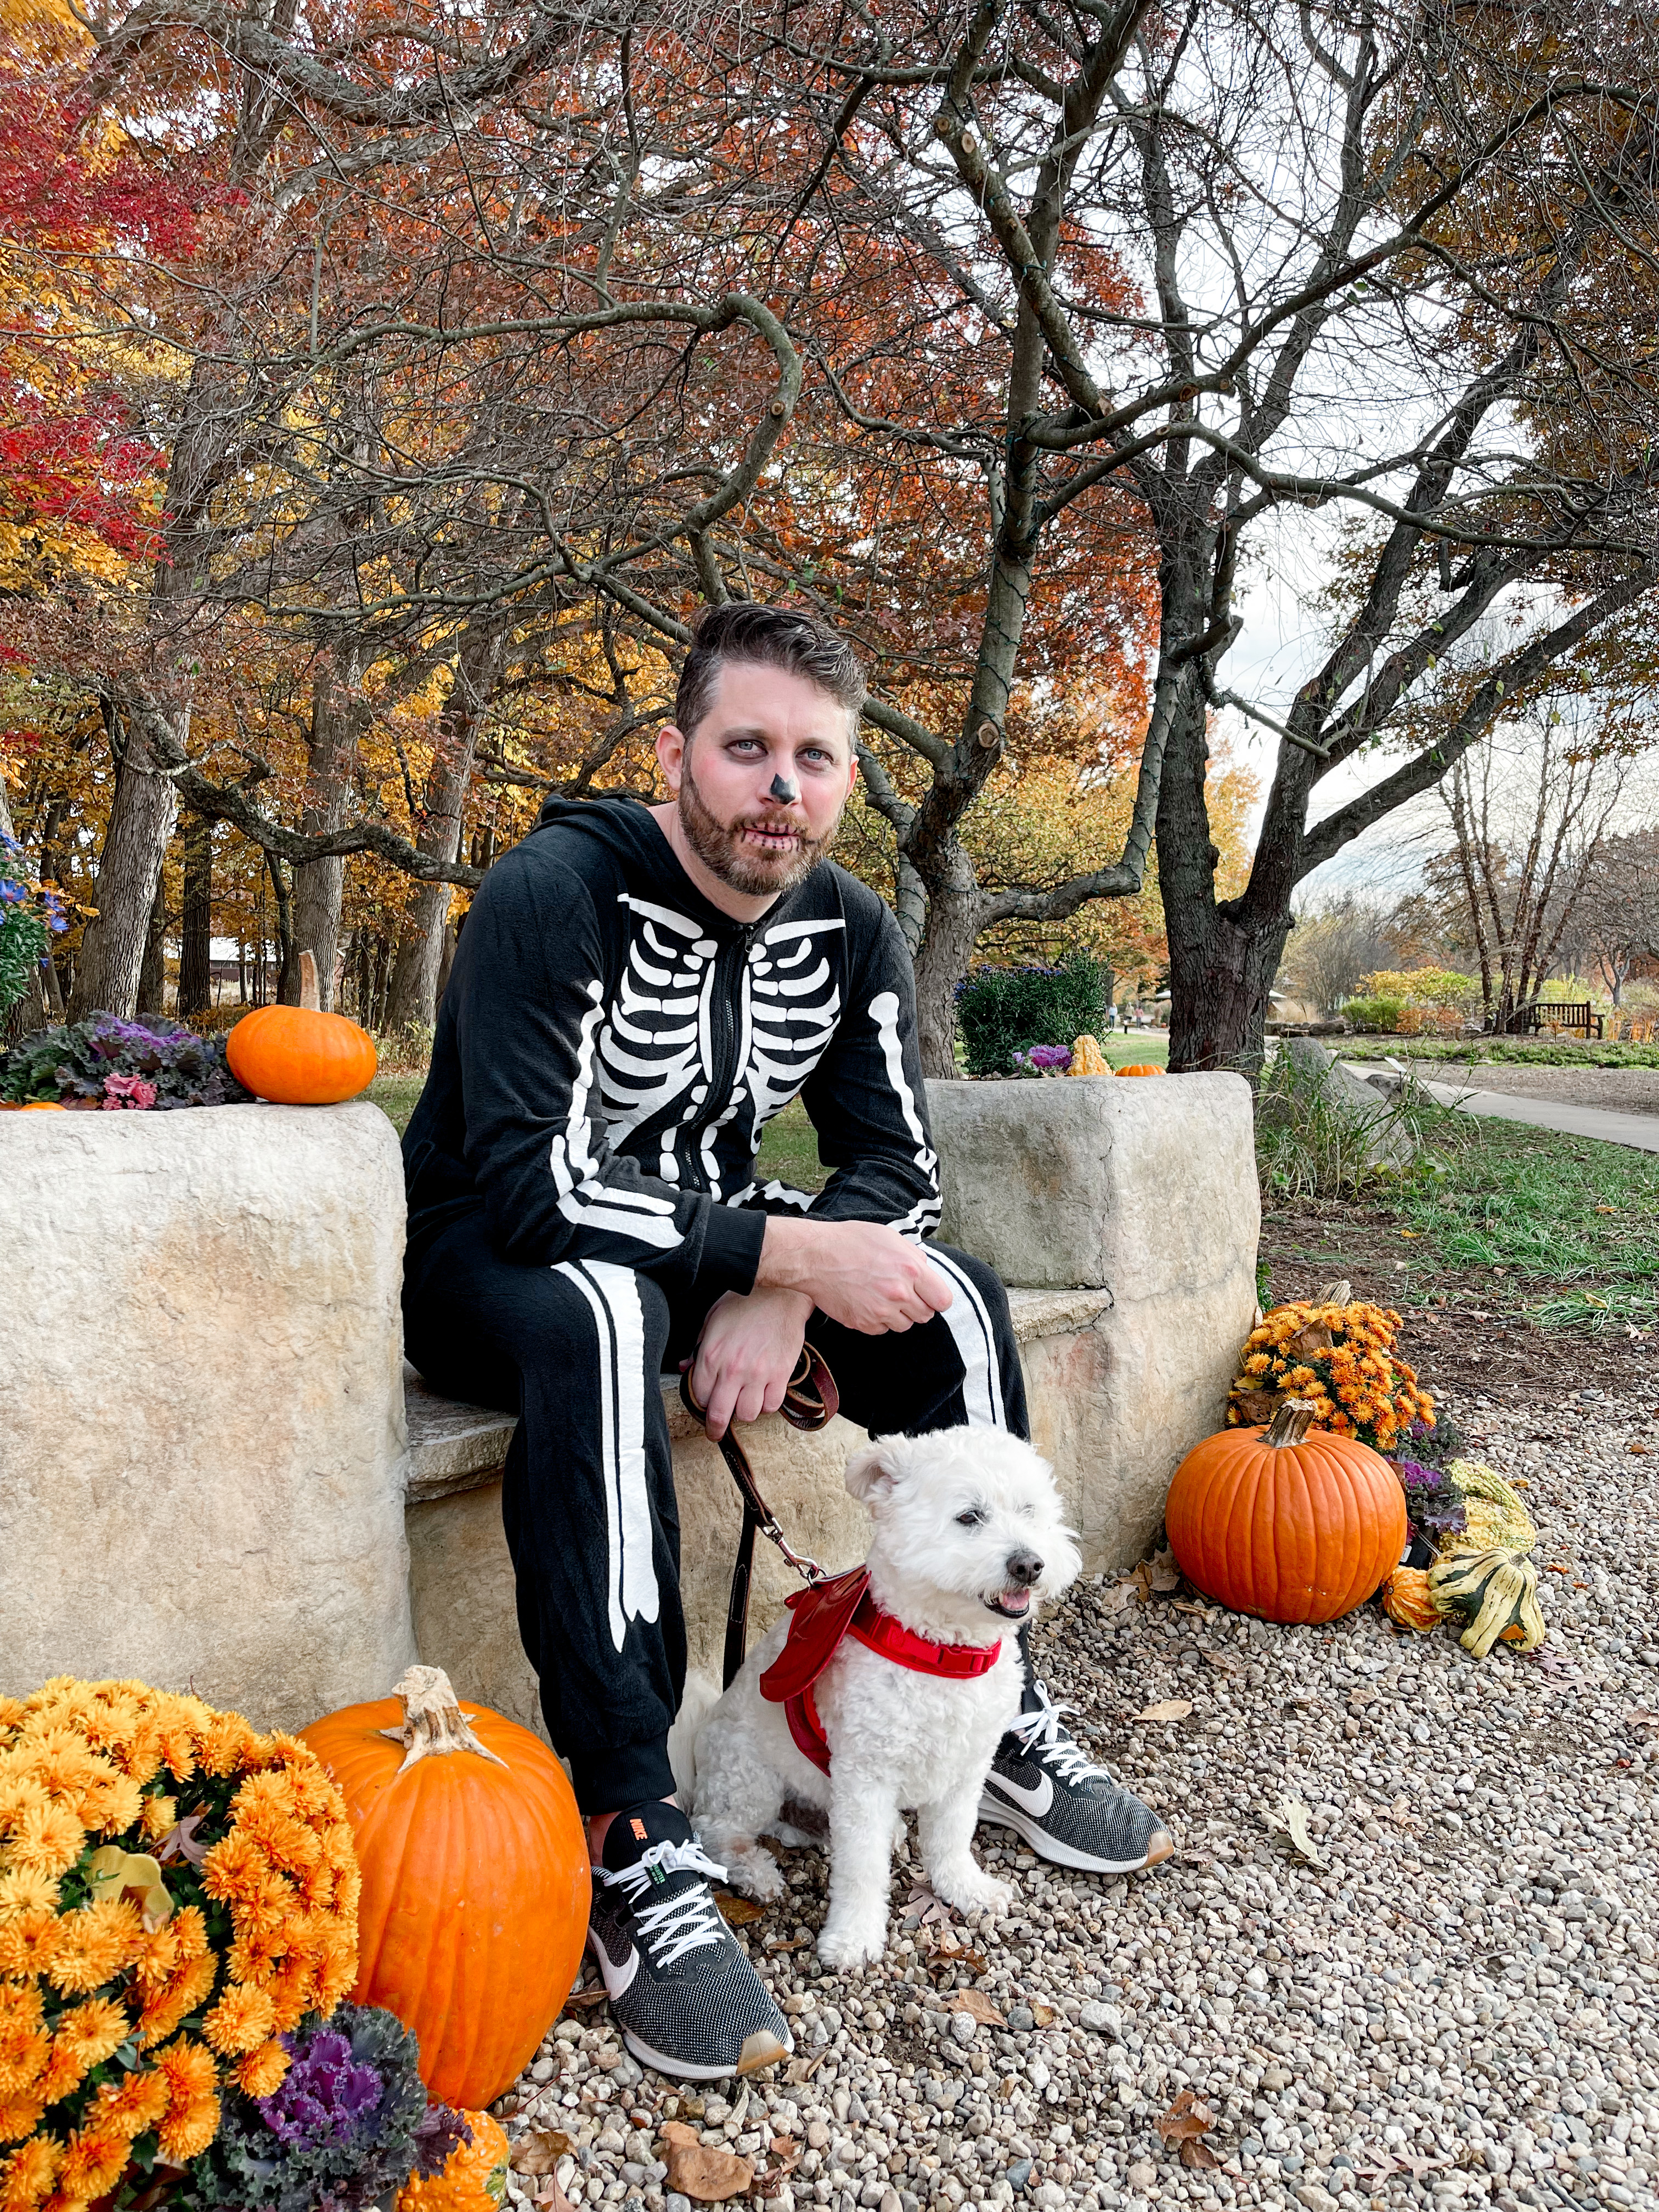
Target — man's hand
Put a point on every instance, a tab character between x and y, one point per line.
861	1274
746	1355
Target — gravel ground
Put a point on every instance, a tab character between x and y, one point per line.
1460	2005
1626	1089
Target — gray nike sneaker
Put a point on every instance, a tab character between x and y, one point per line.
1069	1809
681	1989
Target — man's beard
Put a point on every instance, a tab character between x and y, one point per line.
753	872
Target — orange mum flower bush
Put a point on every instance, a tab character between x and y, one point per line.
1342	1358
177	1892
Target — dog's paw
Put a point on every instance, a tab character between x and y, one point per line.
845	1950
754	1871
973	1891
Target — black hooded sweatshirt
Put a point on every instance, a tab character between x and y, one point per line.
611	1046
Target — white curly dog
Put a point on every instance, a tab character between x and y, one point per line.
970	1536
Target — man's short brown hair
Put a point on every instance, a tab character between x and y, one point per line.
771	637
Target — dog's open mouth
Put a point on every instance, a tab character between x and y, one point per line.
1013	1603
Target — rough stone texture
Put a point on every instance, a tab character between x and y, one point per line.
1147	1189
462	1579
201	1458
1389	1145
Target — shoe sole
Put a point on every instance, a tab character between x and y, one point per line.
763	2048
1058	1853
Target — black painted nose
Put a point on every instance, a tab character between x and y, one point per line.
1024	1568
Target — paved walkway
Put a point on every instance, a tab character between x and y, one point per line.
1610	1126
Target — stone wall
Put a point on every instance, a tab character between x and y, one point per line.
202	1452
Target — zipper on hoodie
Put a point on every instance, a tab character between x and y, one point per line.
731	966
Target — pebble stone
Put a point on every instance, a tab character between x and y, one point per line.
1460	2007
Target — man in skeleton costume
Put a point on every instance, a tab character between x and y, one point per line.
637	992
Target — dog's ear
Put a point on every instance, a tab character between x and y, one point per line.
871	1472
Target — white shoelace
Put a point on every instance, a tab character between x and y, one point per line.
682	1924
1042	1738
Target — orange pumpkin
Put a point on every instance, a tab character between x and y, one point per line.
1283	1524
32	1106
473	2180
474	1910
298	1055
1143	1067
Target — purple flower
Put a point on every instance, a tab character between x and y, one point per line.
327	2095
1050	1055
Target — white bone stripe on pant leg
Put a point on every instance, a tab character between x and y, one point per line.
614	1297
976	1344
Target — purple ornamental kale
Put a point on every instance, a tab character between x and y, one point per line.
1050	1055
1431	1507
325	2096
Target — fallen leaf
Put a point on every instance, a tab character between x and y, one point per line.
977	2006
180	1842
1185	2119
1638	1717
1187	1605
800	2070
540	2151
1120	1594
1043	2015
678	2134
737	1911
1222	1662
784	2147
1164	1574
707	2174
586	1997
1292	1816
780	1943
1195	2152
923	1902
552	2197
1172	1709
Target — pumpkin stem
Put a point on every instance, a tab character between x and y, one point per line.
1335	1294
1290	1422
433	1722
310	996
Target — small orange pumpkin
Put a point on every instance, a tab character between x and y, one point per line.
1283	1524
474	2179
32	1106
298	1055
1143	1067
475	1884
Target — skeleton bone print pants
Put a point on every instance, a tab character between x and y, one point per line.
587	1495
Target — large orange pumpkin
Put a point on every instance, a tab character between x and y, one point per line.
298	1055
1284	1524
1143	1067
474	1910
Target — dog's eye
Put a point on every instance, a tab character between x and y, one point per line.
971	1519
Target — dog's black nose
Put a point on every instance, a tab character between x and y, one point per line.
1024	1568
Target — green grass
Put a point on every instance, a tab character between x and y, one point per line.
395	1095
1575	1223
789	1151
1518	1052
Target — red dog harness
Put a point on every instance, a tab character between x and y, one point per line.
820	1621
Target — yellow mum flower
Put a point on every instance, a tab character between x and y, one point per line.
23	1891
1256	1362
83	2037
24	2041
95	1944
28	2173
190	1987
27	1944
241	2018
46	1838
263	2070
226	1742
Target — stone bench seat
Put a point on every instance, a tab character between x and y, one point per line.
453	1447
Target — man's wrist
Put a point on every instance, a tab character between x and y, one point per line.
784	1258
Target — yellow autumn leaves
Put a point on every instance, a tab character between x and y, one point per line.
109	1902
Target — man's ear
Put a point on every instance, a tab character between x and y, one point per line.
672	747
872	1472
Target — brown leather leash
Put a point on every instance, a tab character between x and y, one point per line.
812	1402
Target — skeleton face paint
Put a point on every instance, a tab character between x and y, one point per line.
784	792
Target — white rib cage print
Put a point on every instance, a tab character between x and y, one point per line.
656	1046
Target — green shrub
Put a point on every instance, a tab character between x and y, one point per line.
1002	1011
1374	1013
1422	986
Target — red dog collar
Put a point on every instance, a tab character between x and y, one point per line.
820	1621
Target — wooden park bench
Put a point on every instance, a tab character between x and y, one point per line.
1562	1014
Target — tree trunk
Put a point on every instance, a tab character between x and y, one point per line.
141	816
954	909
337	721
413	995
288	963
196	921
152	968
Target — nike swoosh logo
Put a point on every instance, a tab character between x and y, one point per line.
1037	1800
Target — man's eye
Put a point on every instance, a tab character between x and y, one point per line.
971	1519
